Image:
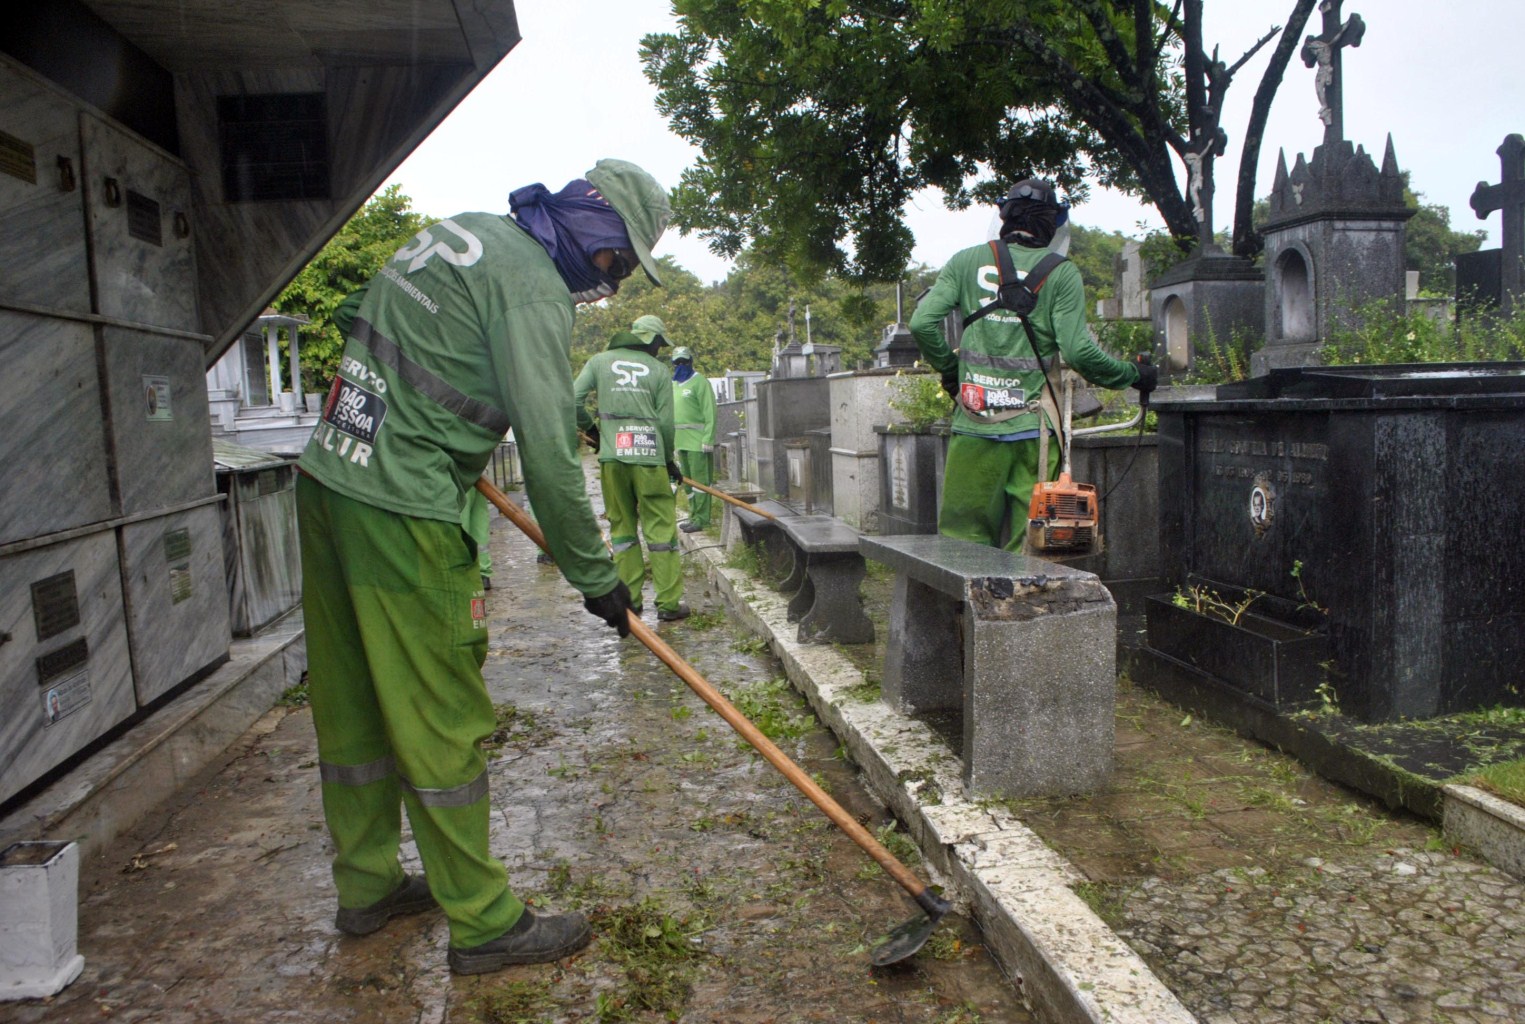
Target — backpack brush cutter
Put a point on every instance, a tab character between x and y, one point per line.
1064	517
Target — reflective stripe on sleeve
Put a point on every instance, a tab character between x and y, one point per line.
688	426
426	382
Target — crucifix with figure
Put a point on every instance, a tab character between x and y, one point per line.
1508	196
1323	50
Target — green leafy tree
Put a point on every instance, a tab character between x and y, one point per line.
734	324
1431	247
818	119
348	261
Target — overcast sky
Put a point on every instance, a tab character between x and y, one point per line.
1444	80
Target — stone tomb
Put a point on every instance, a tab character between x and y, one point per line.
1024	650
1378	508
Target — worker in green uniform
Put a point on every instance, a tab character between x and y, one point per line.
995	377
634	438
463	333
693	413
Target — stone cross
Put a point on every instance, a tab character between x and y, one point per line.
1509	196
1324	51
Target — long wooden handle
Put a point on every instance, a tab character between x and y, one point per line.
743	726
727	497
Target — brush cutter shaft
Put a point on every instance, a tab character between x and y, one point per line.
749	732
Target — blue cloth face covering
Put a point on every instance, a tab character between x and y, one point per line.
681	372
572	225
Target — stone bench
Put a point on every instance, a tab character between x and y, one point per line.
824	580
763	533
1024	649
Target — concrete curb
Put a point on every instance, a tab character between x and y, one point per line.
115	786
1019	890
1494	828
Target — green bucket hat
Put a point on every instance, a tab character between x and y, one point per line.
649	328
640	202
681	353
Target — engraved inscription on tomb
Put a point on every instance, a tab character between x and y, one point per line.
1293	463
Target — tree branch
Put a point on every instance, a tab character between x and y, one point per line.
1246	241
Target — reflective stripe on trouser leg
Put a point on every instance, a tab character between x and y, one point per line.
617	481
698	466
659	527
395	659
986	485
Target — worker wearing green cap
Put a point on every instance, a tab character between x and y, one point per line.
634	438
693	410
464	333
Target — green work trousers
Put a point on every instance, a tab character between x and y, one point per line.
396	637
987	486
641	496
698	466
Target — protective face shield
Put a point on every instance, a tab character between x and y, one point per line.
1043	192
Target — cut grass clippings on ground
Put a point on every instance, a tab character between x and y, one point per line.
658	955
512	1002
516	726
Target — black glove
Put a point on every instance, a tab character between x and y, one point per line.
1148	376
950	383
592	434
674	473
613	608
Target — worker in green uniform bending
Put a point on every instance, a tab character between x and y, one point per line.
995	377
693	413
465	332
634	438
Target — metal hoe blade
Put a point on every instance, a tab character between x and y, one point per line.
906	939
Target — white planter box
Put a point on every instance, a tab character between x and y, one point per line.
39	919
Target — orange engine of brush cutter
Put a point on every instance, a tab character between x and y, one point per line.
1063	516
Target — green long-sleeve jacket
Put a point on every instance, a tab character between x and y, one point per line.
693	413
999	377
464	333
634	391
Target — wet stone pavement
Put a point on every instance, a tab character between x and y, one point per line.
717	893
1260	893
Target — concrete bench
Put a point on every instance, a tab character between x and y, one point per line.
1025	649
762	533
824	581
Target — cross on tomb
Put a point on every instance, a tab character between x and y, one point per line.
1323	50
1508	196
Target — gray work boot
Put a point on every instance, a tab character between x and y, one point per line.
689	526
534	939
411	897
674	614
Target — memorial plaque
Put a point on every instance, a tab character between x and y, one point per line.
18	158
55	605
144	219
